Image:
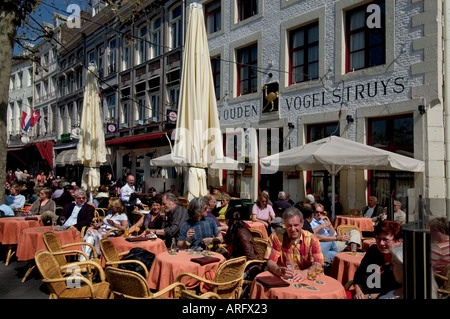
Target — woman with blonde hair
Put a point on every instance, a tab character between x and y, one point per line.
115	219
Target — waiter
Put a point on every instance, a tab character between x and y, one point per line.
129	196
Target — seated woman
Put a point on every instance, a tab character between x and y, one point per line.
262	212
43	205
440	245
221	211
374	275
151	221
238	238
15	200
198	231
115	219
397	269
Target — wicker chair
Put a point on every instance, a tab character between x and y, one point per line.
345	229
54	246
228	279
53	275
126	284
256	233
444	287
261	247
113	258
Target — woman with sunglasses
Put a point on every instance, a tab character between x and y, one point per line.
374	275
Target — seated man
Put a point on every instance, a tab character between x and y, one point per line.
211	206
199	230
15	200
330	242
293	244
78	214
175	217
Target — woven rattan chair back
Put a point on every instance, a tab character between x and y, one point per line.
186	294
125	283
261	247
135	217
232	272
346	229
53	245
50	269
256	233
108	250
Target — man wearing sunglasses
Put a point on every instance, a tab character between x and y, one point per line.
330	242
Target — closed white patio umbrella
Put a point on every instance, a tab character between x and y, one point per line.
197	136
91	148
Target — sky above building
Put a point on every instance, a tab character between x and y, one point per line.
32	30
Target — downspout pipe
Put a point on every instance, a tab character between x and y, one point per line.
446	101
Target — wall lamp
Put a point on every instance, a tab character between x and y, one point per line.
291	125
421	109
350	119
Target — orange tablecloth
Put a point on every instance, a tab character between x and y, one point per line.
367	243
331	289
31	241
11	228
258	226
166	268
364	223
344	266
155	246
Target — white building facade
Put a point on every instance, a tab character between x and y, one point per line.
369	71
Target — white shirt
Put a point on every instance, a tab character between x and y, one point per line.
117	218
369	212
125	193
74	216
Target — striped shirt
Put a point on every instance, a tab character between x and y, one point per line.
440	256
304	252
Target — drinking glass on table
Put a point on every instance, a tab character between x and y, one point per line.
54	219
290	265
62	219
137	229
312	272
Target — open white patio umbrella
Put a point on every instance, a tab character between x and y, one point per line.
91	148
335	153
198	138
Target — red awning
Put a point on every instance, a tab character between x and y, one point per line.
135	138
46	150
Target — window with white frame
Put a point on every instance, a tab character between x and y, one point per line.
247	59
142	45
111	106
215	68
366	43
154	98
247	9
100	62
304	53
156	44
126	53
140	109
173	87
91	56
175	27
125	114
112	56
213	16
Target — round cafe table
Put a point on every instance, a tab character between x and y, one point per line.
367	243
344	266
155	246
258	226
31	241
329	288
166	267
364	223
10	230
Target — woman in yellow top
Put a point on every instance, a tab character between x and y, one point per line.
225	201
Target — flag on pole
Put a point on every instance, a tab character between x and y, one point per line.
29	121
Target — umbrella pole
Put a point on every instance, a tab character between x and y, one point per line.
333	191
